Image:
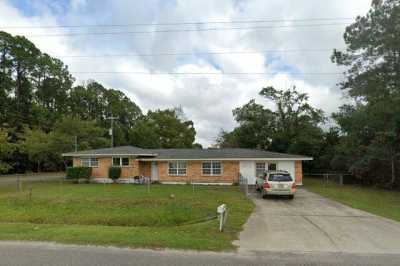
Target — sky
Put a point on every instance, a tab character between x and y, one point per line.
206	99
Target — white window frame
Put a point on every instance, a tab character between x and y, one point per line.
212	168
92	162
264	169
178	167
120	162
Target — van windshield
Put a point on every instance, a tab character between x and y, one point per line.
280	178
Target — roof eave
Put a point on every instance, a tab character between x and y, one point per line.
227	159
105	155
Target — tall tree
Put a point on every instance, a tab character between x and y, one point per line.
94	102
372	58
256	127
6	150
297	122
292	127
163	129
36	144
32	84
86	134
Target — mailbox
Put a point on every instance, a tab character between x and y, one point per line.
221	209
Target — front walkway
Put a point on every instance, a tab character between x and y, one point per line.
312	223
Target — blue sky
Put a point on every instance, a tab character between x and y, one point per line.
35	8
208	100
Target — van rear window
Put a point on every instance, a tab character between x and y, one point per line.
280	178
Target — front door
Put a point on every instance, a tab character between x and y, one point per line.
154	171
248	170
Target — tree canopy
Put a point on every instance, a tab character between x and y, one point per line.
370	128
43	113
292	126
164	129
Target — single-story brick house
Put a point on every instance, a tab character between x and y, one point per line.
207	166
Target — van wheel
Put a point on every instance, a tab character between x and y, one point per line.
291	197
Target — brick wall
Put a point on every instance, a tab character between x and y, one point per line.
105	163
230	173
102	170
145	169
299	172
132	170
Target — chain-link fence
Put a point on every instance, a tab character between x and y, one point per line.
244	184
337	178
21	181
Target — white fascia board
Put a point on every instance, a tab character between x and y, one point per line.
231	159
103	155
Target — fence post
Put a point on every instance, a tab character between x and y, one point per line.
30	193
247	187
19	183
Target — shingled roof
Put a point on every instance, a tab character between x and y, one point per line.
187	154
121	150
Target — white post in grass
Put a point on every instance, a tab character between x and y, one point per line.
221	210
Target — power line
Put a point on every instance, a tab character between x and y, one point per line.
184	30
198	53
194	53
204	73
176	23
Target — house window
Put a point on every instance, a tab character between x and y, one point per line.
120	161
212	168
90	162
260	169
177	168
272	167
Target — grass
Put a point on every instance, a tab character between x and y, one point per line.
377	201
123	215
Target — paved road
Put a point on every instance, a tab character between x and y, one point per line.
311	223
42	254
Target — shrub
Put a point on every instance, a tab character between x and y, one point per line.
114	172
77	173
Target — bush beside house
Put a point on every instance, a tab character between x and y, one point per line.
114	173
78	173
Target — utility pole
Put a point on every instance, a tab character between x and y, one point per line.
111	129
76	143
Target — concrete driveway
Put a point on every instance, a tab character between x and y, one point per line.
311	223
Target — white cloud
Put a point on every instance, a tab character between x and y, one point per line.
75	4
207	99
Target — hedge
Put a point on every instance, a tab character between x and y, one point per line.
114	172
76	173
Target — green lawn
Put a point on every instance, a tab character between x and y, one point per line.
377	201
123	215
